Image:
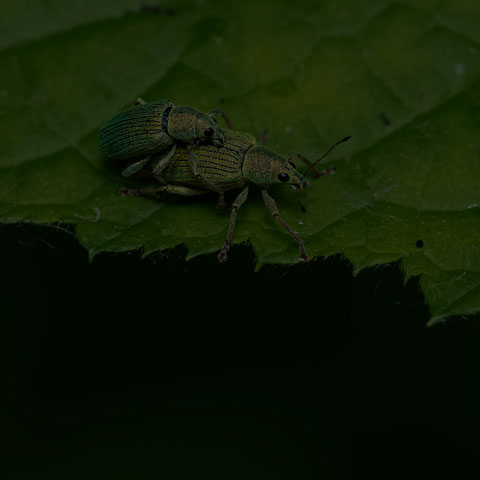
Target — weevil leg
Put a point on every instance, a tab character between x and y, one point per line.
156	190
184	191
192	161
218	111
221	201
164	162
316	173
139	101
262	139
138	192
291	156
136	167
272	207
223	253
326	171
160	180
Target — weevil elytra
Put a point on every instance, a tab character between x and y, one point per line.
237	164
149	128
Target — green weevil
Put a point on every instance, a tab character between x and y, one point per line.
149	128
240	162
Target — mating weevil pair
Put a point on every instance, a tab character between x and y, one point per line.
147	129
191	155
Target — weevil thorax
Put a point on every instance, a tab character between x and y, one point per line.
188	125
264	167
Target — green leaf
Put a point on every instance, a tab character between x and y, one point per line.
402	79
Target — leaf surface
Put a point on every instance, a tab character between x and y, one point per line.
402	79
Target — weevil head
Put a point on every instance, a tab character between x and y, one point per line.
207	130
264	167
188	125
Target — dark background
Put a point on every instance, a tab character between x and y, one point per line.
159	368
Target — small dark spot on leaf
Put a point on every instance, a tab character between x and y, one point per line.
384	118
419	243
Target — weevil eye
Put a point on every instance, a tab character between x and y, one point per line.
292	164
209	132
283	177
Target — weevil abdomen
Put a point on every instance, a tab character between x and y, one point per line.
136	131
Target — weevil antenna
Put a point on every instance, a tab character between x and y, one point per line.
299	201
327	152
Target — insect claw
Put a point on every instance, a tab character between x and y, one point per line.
222	255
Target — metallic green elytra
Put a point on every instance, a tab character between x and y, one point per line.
145	129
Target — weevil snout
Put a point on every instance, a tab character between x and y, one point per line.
297	181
